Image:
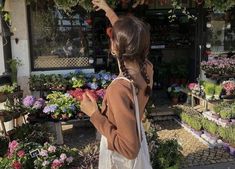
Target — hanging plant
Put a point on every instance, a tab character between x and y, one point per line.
178	7
220	5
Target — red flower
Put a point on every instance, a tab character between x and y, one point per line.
92	93
77	94
21	153
16	165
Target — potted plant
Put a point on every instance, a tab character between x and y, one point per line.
6	91
174	92
218	90
61	106
211	130
225	114
223	134
231	139
229	87
14	65
209	89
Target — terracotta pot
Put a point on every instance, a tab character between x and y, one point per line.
3	97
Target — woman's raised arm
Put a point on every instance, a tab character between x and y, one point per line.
101	4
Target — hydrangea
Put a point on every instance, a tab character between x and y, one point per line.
50	108
43	153
63	157
38	104
69	160
28	101
45	163
52	149
93	85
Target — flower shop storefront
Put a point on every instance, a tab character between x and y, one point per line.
60	50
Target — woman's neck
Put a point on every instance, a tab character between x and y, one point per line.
132	67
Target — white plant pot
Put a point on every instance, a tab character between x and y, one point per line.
208	97
9	125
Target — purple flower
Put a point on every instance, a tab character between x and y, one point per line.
106	76
72	107
78	71
28	101
100	93
93	85
50	108
114	77
39	104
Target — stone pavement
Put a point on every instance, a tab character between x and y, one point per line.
194	152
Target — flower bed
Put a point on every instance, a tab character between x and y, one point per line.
70	81
212	131
33	155
219	67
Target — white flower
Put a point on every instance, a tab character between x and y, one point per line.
63	157
52	149
45	163
74	78
43	153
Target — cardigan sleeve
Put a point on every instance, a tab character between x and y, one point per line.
122	137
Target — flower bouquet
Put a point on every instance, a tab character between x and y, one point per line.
61	106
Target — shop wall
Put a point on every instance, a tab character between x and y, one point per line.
2	64
21	49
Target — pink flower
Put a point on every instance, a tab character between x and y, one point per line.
16	165
21	153
52	149
69	160
63	157
13	145
56	164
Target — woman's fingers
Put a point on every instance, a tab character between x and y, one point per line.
90	97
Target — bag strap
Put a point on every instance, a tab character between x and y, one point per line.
136	103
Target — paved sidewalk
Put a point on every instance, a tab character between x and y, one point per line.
228	165
194	152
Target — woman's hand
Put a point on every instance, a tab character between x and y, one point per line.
100	4
88	104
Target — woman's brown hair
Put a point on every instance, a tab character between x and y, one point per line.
131	37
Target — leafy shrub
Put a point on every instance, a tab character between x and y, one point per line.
88	157
226	113
32	133
209	88
163	154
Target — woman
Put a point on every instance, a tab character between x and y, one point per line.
121	140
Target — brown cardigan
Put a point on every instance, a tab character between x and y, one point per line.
117	121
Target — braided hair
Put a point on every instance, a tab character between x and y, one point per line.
132	39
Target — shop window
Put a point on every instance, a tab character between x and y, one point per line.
58	40
221	31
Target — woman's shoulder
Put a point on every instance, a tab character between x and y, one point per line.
119	86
